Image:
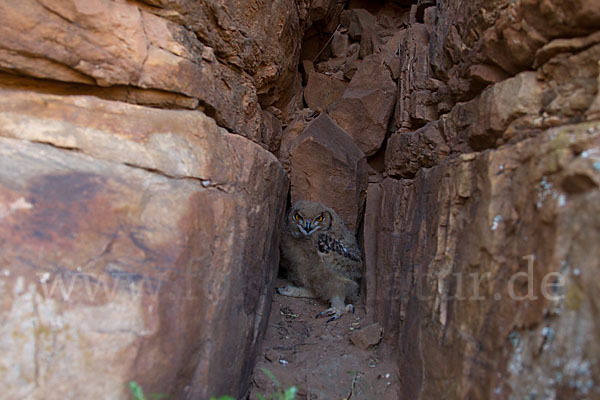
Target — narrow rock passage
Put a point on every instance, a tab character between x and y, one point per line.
319	358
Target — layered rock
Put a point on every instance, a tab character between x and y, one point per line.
416	104
478	241
362	26
481	269
505	112
490	172
327	166
408	152
481	42
366	106
321	90
221	55
132	238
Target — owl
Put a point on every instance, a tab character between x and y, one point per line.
321	257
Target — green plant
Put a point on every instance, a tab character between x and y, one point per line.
136	391
289	394
222	398
138	394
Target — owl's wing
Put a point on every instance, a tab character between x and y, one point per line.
328	245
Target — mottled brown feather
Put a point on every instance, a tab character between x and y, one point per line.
328	261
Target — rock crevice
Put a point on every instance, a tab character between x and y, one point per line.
142	188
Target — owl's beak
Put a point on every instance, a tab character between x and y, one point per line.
312	228
302	230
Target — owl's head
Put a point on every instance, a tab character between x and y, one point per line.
308	217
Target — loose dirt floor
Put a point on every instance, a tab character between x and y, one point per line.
319	358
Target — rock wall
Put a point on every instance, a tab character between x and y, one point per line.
141	191
215	56
479	270
140	207
131	239
481	238
479	123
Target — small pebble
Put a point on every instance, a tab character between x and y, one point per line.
45	277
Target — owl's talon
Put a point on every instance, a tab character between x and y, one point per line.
335	312
284	291
336	316
326	313
293	291
323	314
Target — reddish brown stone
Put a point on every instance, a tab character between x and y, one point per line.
467	219
416	104
362	25
322	90
571	79
120	44
288	138
350	69
339	44
367	336
503	34
558	46
487	74
408	152
177	218
127	94
365	108
307	67
507	111
271	130
326	12
327	166
391	53
259	39
371	231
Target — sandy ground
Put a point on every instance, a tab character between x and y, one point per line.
319	358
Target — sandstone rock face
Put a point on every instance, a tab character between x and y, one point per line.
289	136
450	52
415	105
327	166
361	25
408	152
141	244
339	44
479	240
495	271
132	238
322	90
271	131
195	49
366	106
368	336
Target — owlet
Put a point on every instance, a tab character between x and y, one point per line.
321	257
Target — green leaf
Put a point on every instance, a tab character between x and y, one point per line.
272	377
136	391
290	394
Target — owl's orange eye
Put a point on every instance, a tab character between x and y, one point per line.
297	217
319	218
